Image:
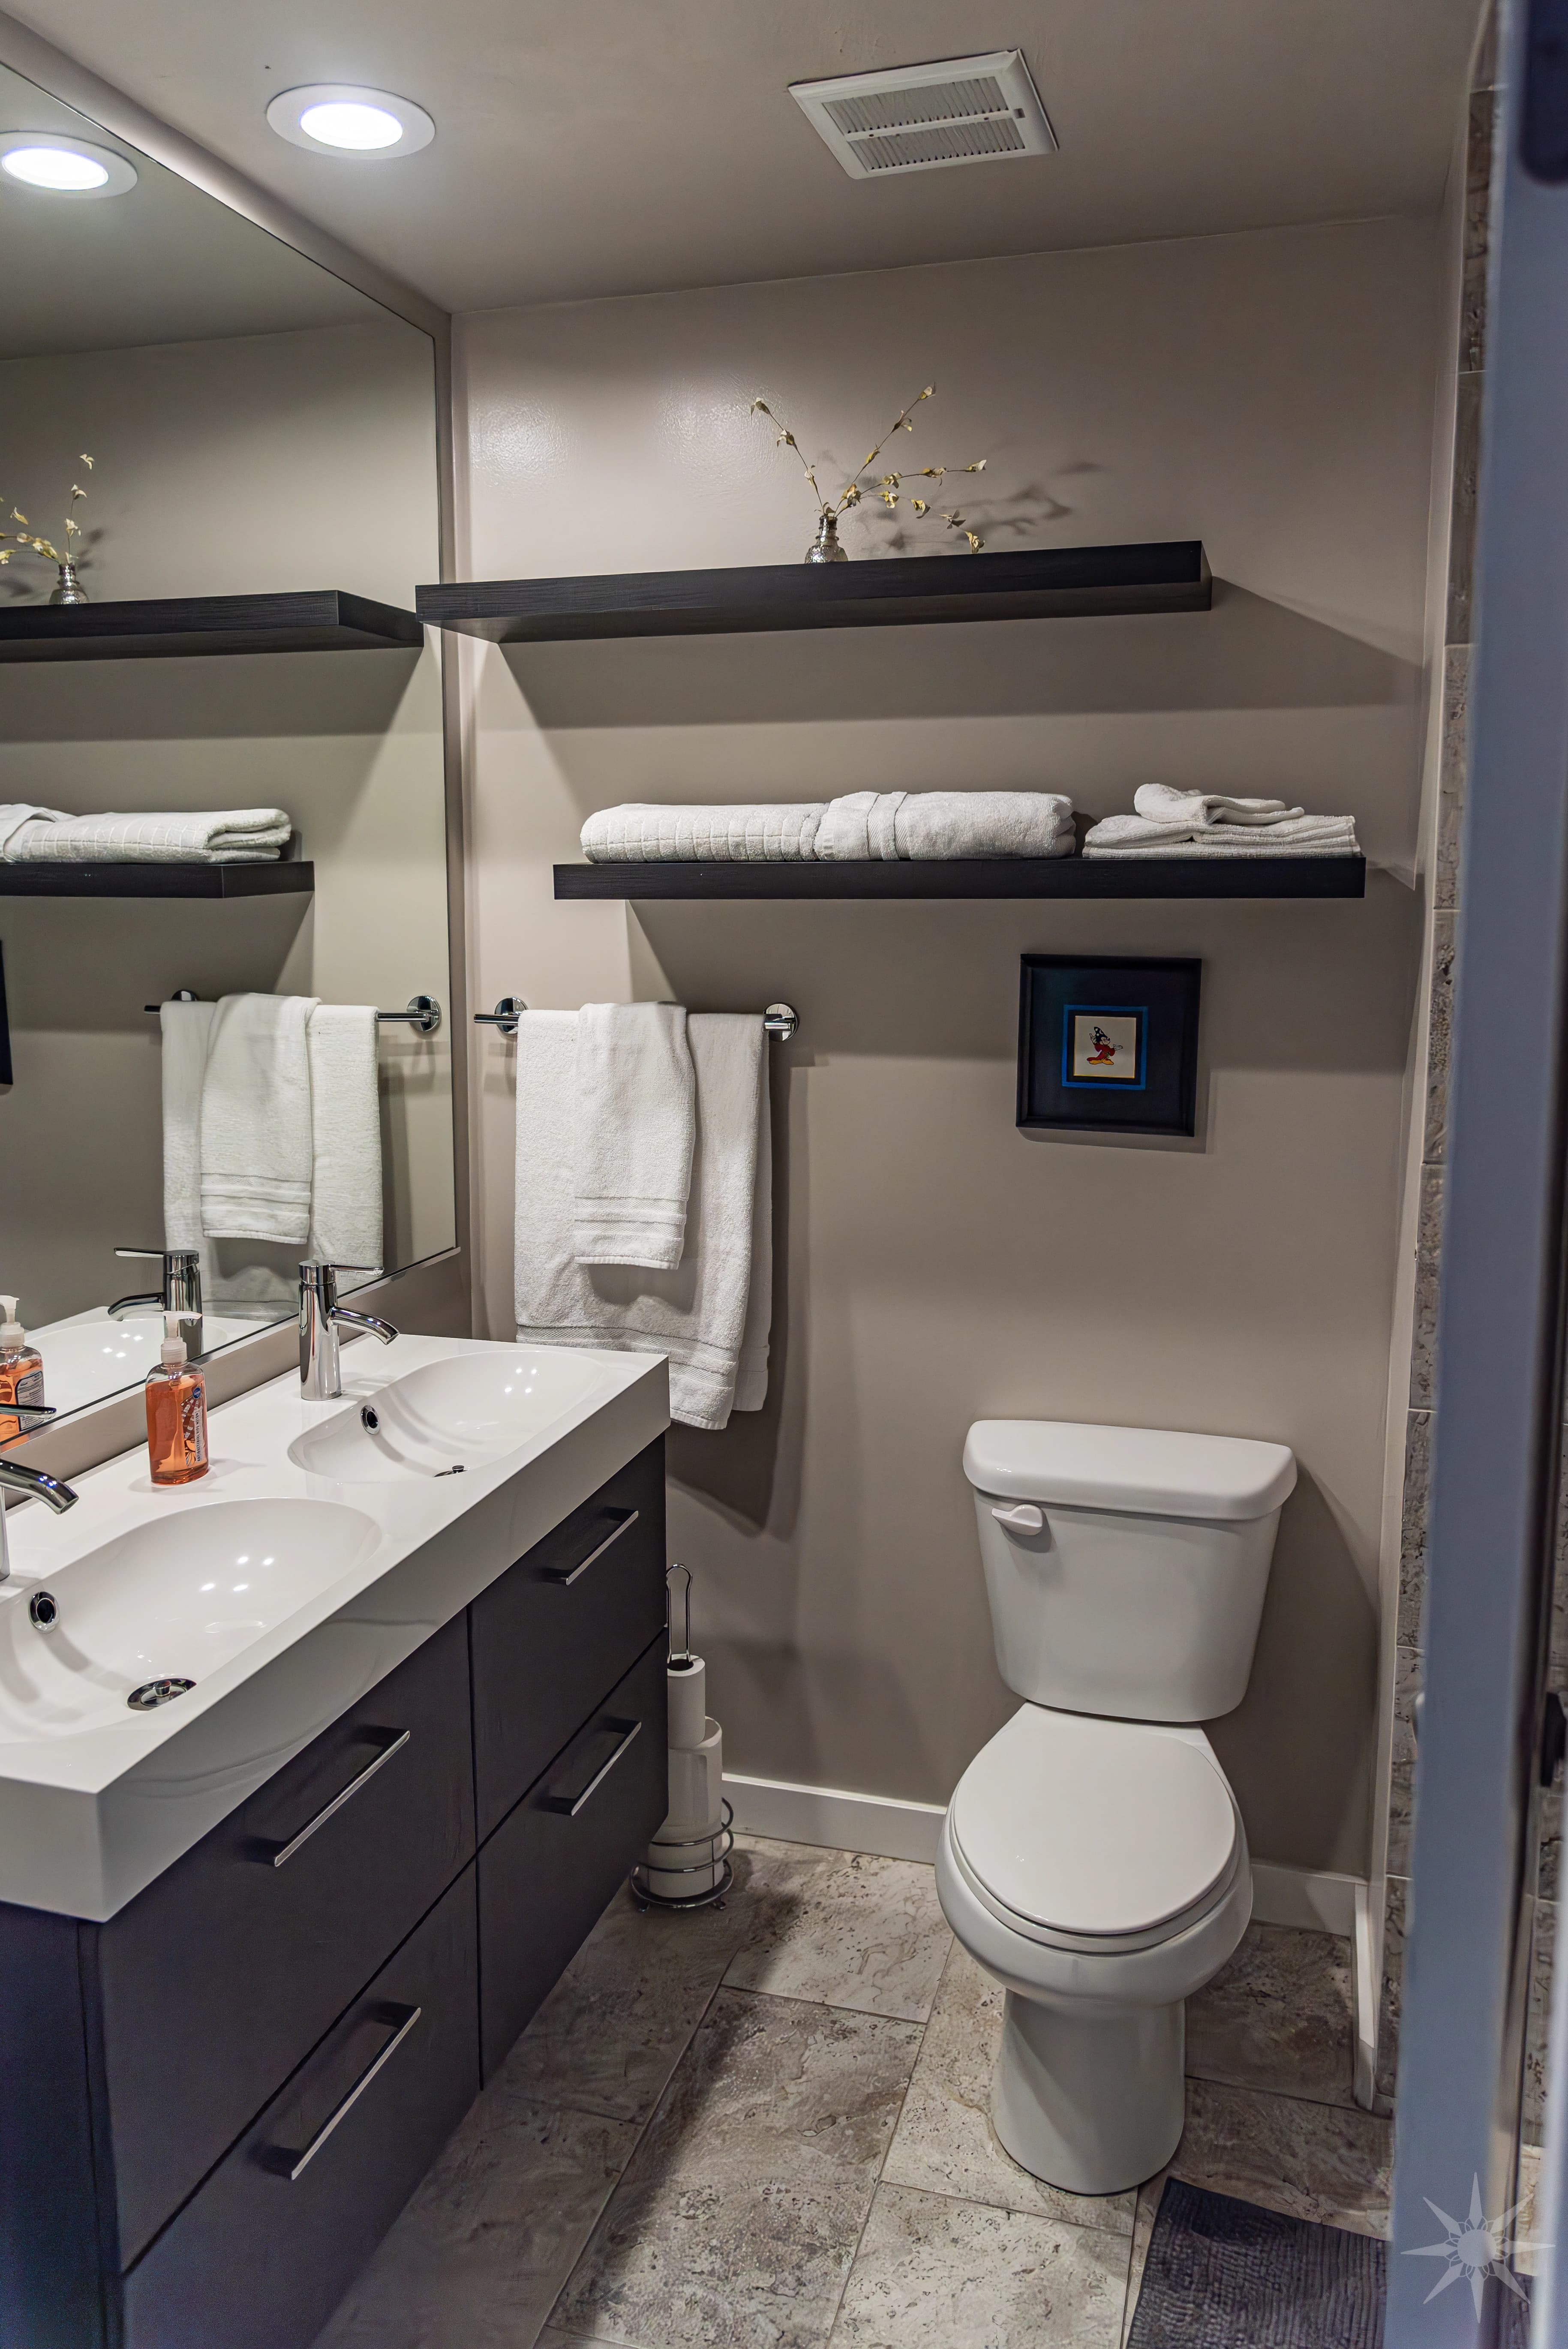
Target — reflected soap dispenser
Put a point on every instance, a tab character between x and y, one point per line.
21	1373
176	1412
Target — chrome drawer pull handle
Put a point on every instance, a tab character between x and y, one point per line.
338	1800
301	2162
565	1575
571	1803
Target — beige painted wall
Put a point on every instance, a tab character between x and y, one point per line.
1271	393
259	463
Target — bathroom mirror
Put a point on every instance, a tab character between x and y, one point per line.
257	427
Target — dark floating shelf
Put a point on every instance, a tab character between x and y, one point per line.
1049	583
282	880
1013	877
315	619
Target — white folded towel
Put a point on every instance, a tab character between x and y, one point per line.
256	1146
228	836
346	1135
187	1032
1198	810
879	827
633	1133
776	834
1307	835
702	1315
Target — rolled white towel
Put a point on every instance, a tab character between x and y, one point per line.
1200	810
1307	835
879	827
777	833
859	829
223	836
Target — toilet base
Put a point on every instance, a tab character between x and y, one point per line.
1094	2103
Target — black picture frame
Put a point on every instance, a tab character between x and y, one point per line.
1108	1043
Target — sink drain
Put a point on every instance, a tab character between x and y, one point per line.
370	1419
152	1693
43	1608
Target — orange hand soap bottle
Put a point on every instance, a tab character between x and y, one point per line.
176	1413
21	1373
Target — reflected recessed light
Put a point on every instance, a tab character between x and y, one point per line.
334	114
64	167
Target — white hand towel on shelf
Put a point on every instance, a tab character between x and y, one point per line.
15	817
227	836
983	823
346	1135
777	833
1198	810
700	1315
257	1144
860	828
633	1135
1307	835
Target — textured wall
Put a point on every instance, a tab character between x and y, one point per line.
1270	393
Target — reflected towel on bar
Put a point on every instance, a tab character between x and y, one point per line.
709	1315
884	827
228	836
187	1032
779	833
346	1135
256	1147
633	1135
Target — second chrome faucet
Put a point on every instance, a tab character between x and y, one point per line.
320	1318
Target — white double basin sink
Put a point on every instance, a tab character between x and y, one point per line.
163	1651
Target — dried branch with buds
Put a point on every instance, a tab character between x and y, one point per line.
26	540
887	487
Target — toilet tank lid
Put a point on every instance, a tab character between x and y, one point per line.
1147	1471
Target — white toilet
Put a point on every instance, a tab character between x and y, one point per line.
1092	1859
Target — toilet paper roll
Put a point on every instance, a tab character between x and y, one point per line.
696	1788
688	1686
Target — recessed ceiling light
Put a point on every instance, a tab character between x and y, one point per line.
334	114
63	167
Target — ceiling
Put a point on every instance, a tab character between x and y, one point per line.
594	147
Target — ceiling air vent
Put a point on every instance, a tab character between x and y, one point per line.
919	118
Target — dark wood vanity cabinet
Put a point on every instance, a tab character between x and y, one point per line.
213	2107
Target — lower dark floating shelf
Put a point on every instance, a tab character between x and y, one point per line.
291	880
1057	876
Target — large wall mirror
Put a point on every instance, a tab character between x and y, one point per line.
257	427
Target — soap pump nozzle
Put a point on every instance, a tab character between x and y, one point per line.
12	1333
172	1353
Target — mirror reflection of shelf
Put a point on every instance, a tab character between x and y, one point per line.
315	619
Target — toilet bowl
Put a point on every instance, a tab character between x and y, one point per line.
1093	1858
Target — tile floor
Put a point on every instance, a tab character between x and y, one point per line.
765	2127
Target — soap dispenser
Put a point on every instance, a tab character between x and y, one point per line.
176	1412
21	1373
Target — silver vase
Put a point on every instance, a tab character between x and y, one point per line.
70	589
825	547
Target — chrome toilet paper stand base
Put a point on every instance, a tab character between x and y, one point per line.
719	1847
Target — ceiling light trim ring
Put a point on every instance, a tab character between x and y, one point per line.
119	171
285	113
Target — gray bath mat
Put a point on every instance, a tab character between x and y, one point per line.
1223	2275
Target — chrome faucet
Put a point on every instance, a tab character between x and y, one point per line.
15	1478
320	1318
181	1293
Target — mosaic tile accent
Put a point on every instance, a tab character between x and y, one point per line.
1439	1038
1453	766
1413	1526
1402	1763
1429	1247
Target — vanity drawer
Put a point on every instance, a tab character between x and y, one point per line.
562	1626
262	2254
220	1978
549	1870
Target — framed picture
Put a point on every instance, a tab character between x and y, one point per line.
1108	1043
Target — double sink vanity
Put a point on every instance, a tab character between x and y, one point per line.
263	1938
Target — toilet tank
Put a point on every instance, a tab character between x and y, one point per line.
1125	1566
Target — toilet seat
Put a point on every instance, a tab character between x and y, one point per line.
1093	1834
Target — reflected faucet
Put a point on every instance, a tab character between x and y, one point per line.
182	1291
320	1318
16	1478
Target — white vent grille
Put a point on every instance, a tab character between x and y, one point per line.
919	118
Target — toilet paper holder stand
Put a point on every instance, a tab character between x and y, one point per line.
700	1862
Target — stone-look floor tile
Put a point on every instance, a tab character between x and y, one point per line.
489	2237
1413	1526
930	2270
1402	1760
1527	2253
1538	2020
1451	773
1428	1248
617	2022
1440	1037
737	2218
1390	1991
1310	2161
944	2142
845	1928
1142	2234
1281	2016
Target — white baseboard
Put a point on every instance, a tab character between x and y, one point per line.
1314	1899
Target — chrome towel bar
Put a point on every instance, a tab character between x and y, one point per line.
780	1019
424	1012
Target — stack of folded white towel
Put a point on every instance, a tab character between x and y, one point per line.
645	1195
272	1132
862	827
41	835
1206	823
